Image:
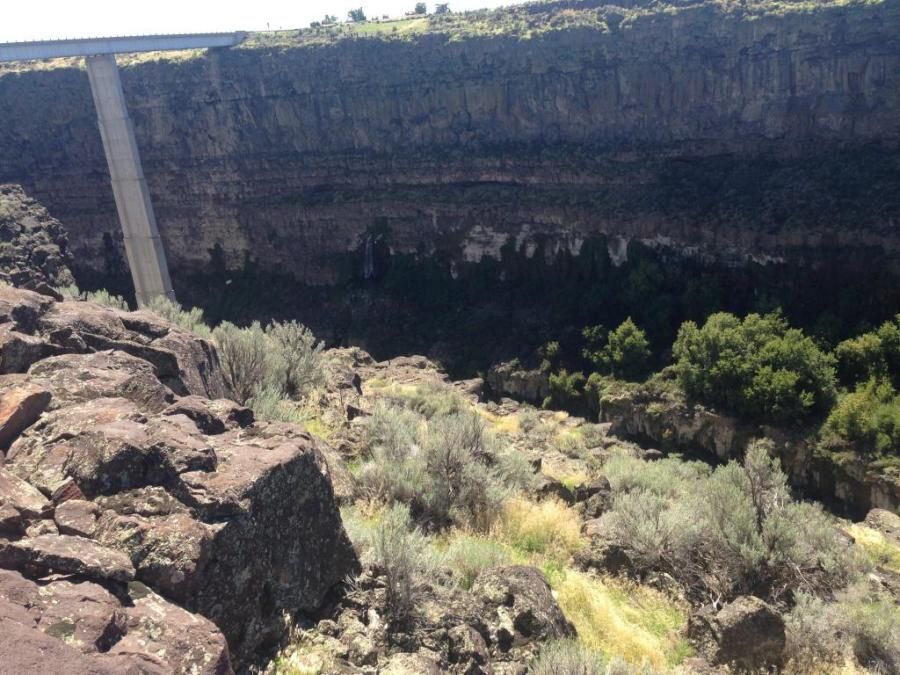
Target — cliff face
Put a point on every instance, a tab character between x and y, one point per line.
728	137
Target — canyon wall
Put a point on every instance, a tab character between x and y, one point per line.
752	139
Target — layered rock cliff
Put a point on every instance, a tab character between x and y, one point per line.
743	136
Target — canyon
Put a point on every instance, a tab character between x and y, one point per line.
383	180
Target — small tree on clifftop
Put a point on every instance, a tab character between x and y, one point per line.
356	15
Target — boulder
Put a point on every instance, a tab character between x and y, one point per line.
518	607
466	648
20	407
211	417
65	554
78	378
547	486
421	662
131	631
77	517
23	497
525	384
747	633
19	350
235	520
35	253
193	512
22	309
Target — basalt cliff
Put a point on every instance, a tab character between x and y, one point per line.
738	152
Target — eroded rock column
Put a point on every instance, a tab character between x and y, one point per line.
143	246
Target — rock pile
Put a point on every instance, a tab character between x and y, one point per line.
152	518
33	245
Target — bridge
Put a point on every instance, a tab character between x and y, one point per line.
143	246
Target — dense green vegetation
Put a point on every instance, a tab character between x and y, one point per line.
867	419
757	368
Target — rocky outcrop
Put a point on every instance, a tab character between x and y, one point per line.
495	628
34	249
135	353
746	633
514	380
117	483
73	625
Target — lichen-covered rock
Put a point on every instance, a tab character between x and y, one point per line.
82	623
20	407
519	607
746	633
65	554
35	326
886	522
113	475
77	517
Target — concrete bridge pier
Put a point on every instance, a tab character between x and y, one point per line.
143	246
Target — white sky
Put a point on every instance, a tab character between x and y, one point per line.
45	19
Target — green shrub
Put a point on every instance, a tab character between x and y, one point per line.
244	355
869	418
448	469
811	632
668	477
593	434
283	358
192	319
269	404
468	556
568	657
297	361
550	355
529	420
871	355
571	445
433	399
625	354
101	297
400	552
859	621
758	367
566	391
732	531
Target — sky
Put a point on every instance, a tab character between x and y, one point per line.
53	19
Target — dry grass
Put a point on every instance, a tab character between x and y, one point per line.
638	624
546	528
876	547
502	424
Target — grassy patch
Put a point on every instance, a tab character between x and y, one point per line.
546	528
502	424
880	551
638	624
469	555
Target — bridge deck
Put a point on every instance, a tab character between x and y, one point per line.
49	49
